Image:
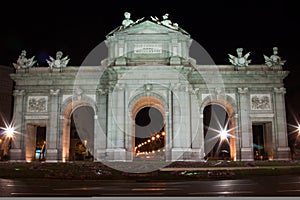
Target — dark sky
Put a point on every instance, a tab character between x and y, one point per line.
76	27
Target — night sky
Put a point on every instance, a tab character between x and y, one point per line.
76	27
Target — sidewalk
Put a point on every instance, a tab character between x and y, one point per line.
167	169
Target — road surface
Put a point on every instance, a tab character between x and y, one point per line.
257	186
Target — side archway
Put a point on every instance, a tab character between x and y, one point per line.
68	108
229	106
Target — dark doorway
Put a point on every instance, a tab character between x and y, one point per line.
262	136
40	144
216	138
149	134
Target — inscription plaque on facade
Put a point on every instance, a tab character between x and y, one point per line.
260	102
147	48
37	103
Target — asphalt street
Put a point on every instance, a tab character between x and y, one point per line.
265	186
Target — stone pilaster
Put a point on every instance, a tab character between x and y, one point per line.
283	151
100	137
196	126
245	124
51	137
182	121
17	151
119	113
115	137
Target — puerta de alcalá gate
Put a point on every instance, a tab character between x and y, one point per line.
194	111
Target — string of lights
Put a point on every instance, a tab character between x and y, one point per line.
151	144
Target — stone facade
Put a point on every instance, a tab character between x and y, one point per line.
148	65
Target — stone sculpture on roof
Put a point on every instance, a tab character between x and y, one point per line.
58	62
274	60
23	62
240	60
168	23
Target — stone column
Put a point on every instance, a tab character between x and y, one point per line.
119	112
196	127
237	137
169	127
115	142
128	128
109	120
283	151
246	127
52	136
100	137
181	123
17	151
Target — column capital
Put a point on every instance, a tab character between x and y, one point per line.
18	92
120	86
54	92
280	90
102	91
243	90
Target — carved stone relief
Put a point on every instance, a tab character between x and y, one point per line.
260	102
37	103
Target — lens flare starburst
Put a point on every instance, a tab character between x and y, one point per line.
9	130
222	133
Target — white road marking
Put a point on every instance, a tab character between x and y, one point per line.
225	192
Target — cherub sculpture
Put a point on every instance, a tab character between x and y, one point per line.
23	62
274	59
165	21
128	22
58	62
240	60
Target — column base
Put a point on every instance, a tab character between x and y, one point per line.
283	153
110	155
184	154
247	154
51	155
16	155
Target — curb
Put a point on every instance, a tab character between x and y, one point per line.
224	168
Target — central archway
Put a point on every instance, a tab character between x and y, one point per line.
149	129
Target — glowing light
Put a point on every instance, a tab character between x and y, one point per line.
149	141
223	134
153	138
157	136
163	133
9	131
296	129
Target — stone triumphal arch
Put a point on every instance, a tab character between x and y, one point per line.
90	112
